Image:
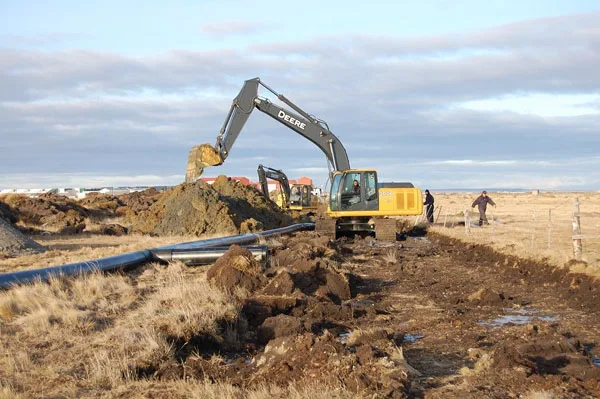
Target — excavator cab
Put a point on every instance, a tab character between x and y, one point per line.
301	197
354	190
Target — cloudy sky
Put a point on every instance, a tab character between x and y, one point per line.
442	93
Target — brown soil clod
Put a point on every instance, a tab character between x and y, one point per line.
237	268
278	326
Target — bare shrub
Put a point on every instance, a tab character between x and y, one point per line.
391	256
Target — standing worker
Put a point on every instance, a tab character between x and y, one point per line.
482	202
429	209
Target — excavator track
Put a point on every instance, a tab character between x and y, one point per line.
326	227
385	229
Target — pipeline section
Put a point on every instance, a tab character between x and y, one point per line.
132	259
206	256
243	239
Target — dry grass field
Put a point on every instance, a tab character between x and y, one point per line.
95	336
526	225
75	248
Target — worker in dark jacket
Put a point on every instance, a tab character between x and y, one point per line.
429	206
482	202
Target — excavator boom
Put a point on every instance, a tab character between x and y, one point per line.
264	173
244	103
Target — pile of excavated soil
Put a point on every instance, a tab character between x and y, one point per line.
63	215
294	294
49	212
14	243
124	205
101	205
293	315
7	213
225	207
236	268
133	204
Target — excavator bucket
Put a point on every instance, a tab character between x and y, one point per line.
201	156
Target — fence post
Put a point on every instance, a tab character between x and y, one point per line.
438	214
533	228
493	229
577	247
467	222
549	227
446	218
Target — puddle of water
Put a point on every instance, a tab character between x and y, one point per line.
518	317
343	337
361	303
596	361
412	338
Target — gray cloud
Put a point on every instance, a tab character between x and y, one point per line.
392	101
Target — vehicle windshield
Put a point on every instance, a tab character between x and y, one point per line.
333	194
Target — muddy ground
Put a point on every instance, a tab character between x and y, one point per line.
427	317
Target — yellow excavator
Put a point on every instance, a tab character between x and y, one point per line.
358	202
296	197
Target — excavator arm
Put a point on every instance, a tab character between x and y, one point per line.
247	100
264	173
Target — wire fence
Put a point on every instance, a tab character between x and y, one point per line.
552	231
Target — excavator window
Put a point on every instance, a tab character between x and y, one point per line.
305	196
349	183
334	196
351	190
296	195
357	191
370	186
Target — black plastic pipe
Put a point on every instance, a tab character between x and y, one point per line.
132	259
124	261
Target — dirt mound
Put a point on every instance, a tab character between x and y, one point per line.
14	243
308	263
111	229
7	213
313	358
225	207
101	205
236	268
543	351
48	212
312	277
133	204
